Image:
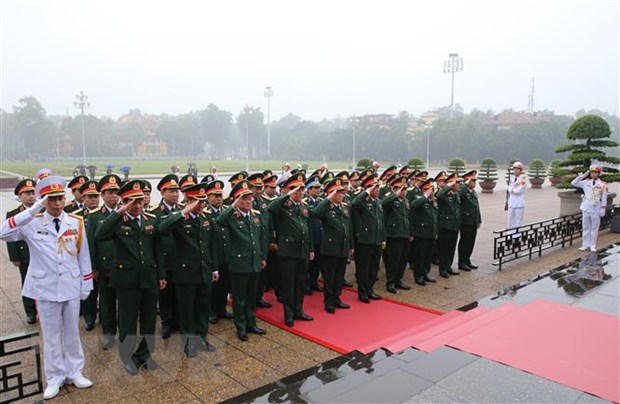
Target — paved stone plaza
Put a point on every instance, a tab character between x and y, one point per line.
237	367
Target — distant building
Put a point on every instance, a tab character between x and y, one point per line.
152	145
384	121
508	120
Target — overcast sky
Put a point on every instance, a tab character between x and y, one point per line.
322	58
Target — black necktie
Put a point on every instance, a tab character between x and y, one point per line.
593	182
57	224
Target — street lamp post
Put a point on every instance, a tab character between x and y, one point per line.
428	142
247	145
81	103
353	120
268	95
453	65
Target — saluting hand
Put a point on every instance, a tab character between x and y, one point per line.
162	284
190	206
332	195
215	276
125	206
294	190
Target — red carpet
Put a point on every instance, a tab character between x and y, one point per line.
573	346
363	327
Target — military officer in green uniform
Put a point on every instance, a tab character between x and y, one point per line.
470	221
102	255
398	232
136	275
169	189
292	227
449	224
369	233
425	229
18	250
259	204
440	180
234	180
270	182
336	242
315	267
246	257
78	200
194	269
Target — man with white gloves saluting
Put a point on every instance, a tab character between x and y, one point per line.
59	276
593	205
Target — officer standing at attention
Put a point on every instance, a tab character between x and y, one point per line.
337	242
136	275
470	221
59	275
102	256
425	228
593	205
259	204
369	233
169	189
246	258
18	250
194	269
398	233
516	195
315	267
449	224
78	199
292	226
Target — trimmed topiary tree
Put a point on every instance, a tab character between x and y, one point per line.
553	173
457	165
416	163
537	173
364	163
590	134
488	175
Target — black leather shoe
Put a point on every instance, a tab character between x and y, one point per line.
289	322
364	299
303	317
205	346
165	331
435	261
472	266
130	368
330	310
374	296
242	336
340	305
212	320
464	267
420	281
317	288
90	326
264	304
150	364
400	285
31	319
391	288
225	315
256	330
444	274
308	292
108	342
453	272
429	280
190	352
347	283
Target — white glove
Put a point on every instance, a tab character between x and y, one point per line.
37	206
601	212
84	295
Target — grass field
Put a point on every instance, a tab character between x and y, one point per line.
156	167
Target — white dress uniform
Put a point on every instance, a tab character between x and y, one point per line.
516	200
593	205
59	275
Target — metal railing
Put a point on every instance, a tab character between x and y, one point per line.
533	238
16	378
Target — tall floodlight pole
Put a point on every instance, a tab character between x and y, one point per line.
247	145
428	147
268	95
81	103
353	121
453	65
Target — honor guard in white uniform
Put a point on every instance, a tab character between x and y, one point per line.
593	205
516	196
59	276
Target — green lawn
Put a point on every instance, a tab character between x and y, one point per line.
157	167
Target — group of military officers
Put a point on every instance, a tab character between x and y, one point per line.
184	258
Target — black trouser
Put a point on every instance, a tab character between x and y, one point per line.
447	247
274	272
107	306
411	258
220	290
244	299
423	257
168	310
194	302
137	305
333	277
466	243
263	282
367	260
395	257
88	307
30	306
315	267
293	272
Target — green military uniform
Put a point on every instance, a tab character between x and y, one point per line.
470	221
221	254
18	252
336	242
74	185
135	274
294	240
192	273
369	233
398	233
424	214
449	225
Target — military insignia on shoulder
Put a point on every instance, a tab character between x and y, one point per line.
387	194
255	212
149	215
38	215
76	216
207	211
256	220
94	210
148	227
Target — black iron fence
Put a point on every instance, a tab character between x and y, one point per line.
20	366
533	238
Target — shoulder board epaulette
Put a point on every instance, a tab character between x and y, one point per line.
181	204
94	210
256	212
387	194
208	211
76	216
344	204
148	214
305	200
38	215
75	212
304	203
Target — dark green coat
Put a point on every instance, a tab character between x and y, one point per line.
166	240
412	193
101	252
470	208
337	228
137	251
194	245
221	246
424	214
368	221
449	209
72	207
245	237
292	228
262	206
18	250
396	213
